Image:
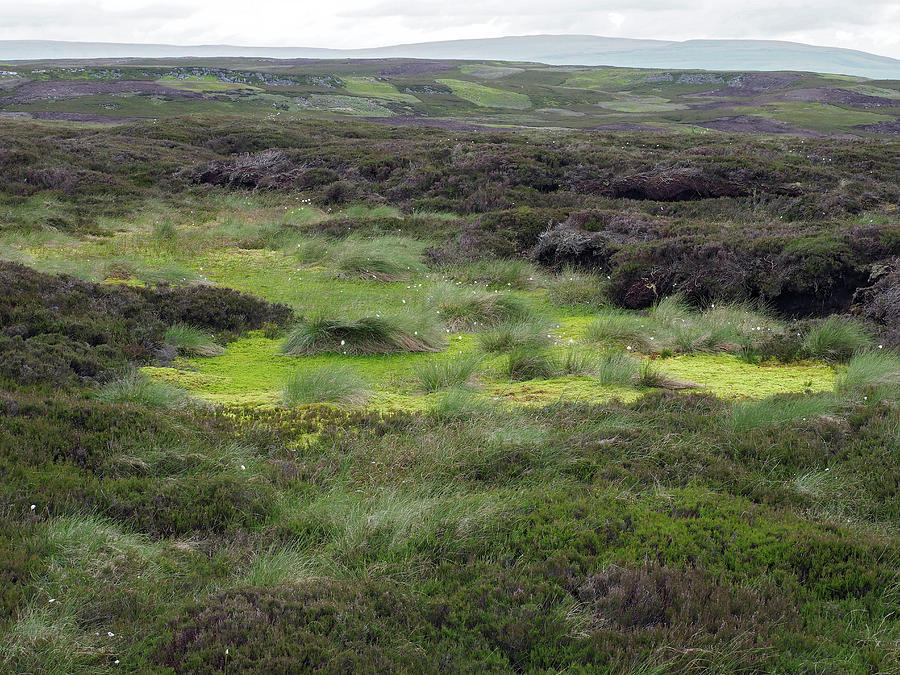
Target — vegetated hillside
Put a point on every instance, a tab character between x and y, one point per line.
585	50
454	94
337	396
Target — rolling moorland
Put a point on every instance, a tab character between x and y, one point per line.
420	366
454	94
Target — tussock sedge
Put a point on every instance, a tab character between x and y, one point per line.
325	384
192	341
471	309
367	335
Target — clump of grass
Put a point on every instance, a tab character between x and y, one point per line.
460	404
742	318
138	389
836	338
192	341
499	273
368	335
510	335
650	378
728	327
576	361
380	259
176	275
325	384
616	368
749	352
571	288
703	336
119	270
436	374
530	363
871	369
768	412
615	327
309	248
462	309
670	311
164	230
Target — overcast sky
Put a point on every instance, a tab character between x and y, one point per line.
868	25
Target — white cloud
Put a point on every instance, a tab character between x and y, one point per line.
869	25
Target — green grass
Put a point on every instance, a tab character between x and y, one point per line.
578	361
875	370
377	259
487	97
614	327
454	372
192	341
531	363
819	116
367	335
369	86
498	273
325	384
617	368
674	326
431	525
137	389
836	338
511	335
469	309
571	288
781	410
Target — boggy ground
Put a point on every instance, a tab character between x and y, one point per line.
507	471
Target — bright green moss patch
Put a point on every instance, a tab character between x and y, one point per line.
252	372
189	379
729	377
582	389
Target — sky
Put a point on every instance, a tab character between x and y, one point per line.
867	25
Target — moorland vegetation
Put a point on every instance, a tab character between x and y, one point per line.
342	396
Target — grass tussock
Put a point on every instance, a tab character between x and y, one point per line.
434	375
577	361
325	384
499	273
875	370
461	404
509	335
673	325
467	309
367	335
137	389
611	368
384	258
836	338
191	341
529	363
572	288
617	368
768	412
618	328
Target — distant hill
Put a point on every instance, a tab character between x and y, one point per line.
588	50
